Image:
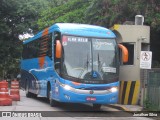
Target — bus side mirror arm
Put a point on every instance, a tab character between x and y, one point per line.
58	49
124	53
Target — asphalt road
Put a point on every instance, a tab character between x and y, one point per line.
39	109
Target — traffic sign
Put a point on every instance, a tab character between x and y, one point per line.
146	60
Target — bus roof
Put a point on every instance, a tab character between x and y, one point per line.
76	29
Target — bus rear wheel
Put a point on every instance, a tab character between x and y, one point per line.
28	94
97	107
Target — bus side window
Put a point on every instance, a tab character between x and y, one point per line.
56	60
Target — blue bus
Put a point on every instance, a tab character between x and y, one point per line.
75	63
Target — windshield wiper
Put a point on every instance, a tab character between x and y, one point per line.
87	62
85	66
99	63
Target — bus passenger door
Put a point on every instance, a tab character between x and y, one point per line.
57	64
57	53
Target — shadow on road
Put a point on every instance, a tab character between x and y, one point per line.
80	110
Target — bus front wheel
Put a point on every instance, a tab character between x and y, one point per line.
97	107
52	102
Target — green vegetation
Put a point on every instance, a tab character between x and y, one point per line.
73	11
150	106
16	17
19	16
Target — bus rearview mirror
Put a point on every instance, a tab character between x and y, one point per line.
58	49
124	53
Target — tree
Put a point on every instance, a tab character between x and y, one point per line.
16	16
72	11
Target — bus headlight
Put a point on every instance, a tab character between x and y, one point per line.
67	87
114	89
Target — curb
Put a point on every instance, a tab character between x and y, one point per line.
119	107
123	108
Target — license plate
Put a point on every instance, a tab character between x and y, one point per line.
91	99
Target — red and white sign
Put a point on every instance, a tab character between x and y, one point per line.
146	60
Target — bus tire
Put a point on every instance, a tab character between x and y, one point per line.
52	102
97	107
28	94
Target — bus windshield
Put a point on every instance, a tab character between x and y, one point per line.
89	60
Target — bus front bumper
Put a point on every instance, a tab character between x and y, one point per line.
88	96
